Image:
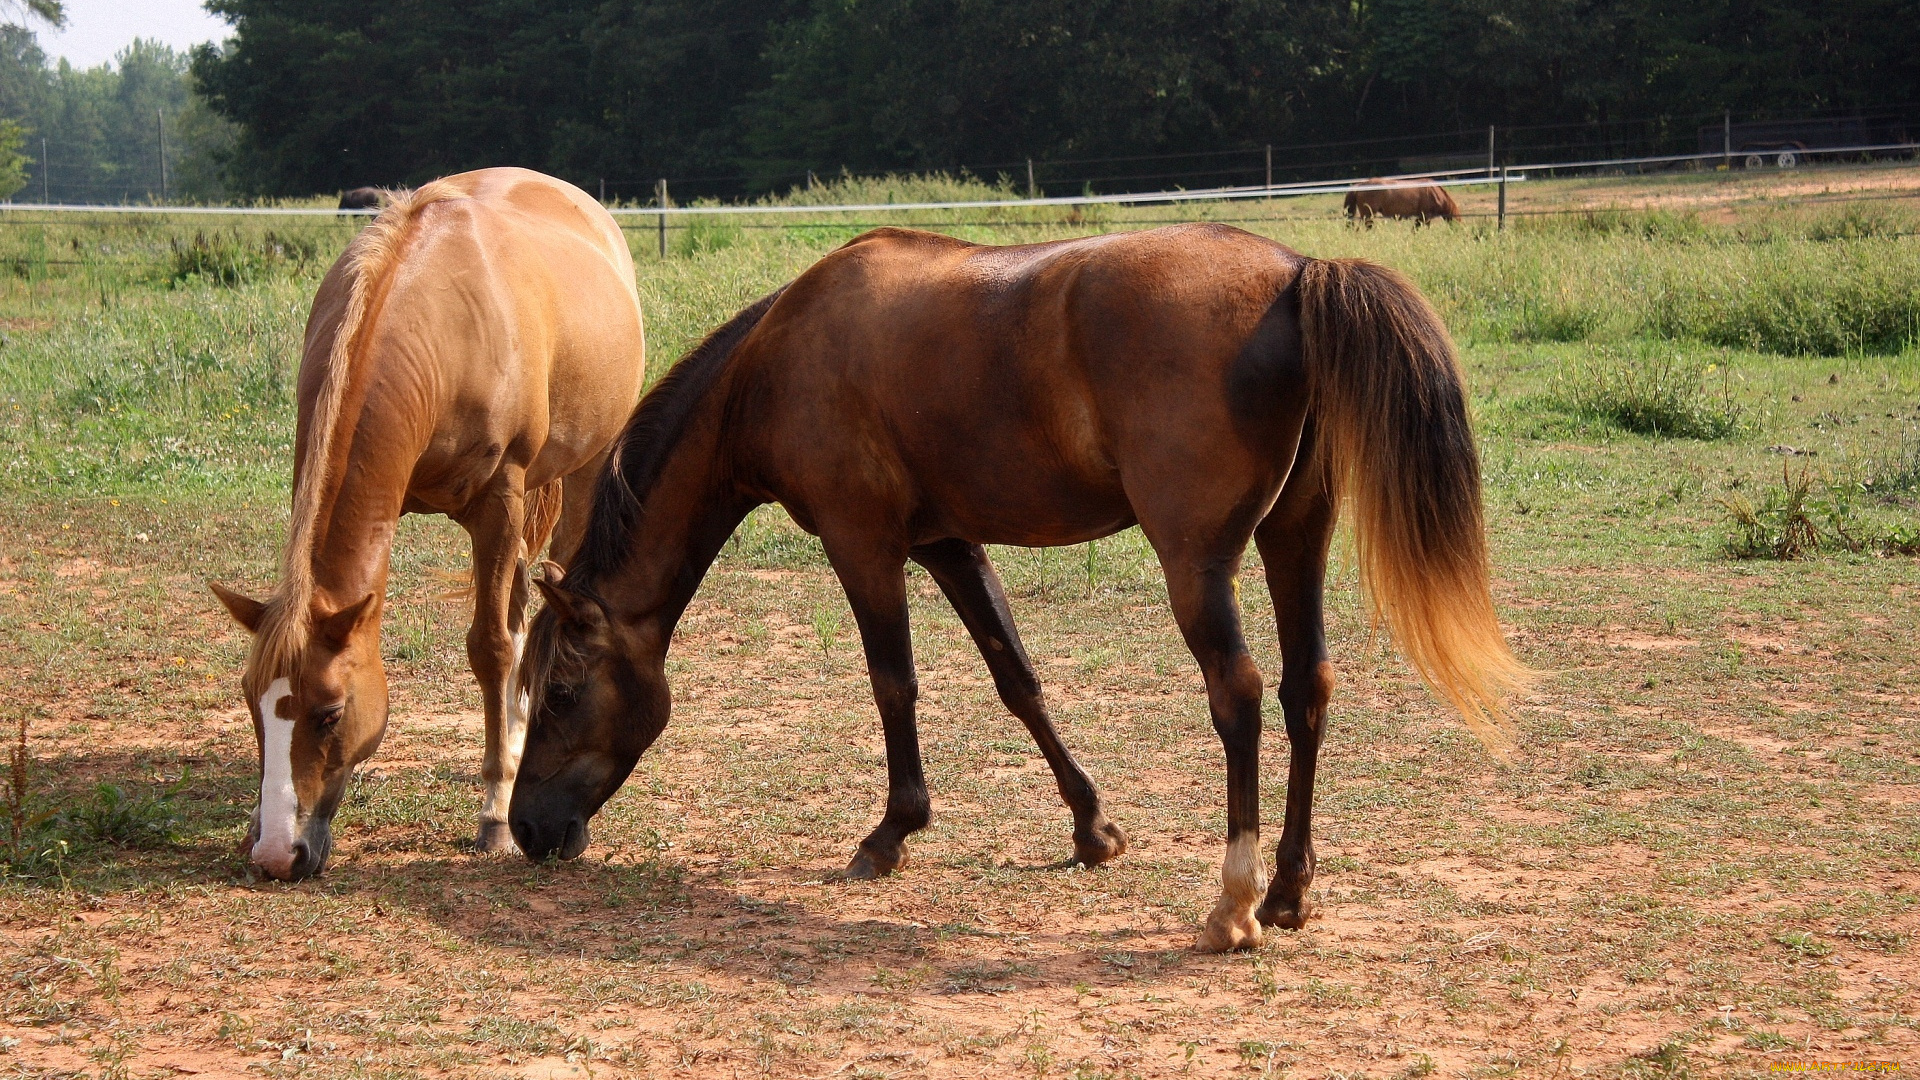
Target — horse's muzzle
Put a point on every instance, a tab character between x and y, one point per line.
306	858
541	840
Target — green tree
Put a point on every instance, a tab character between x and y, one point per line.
105	128
13	161
329	94
52	12
334	94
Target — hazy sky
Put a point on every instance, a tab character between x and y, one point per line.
96	29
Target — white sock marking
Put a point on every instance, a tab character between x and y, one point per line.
279	806
1244	873
515	706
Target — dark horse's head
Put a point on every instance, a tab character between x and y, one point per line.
597	698
595	678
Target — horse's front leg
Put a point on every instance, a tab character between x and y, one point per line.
966	576
494	644
876	586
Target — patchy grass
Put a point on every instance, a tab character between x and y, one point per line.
1701	862
1655	392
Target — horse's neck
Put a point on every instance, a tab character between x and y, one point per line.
353	536
689	514
353	552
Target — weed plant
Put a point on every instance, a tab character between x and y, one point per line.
1795	521
114	817
1655	393
224	258
1781	527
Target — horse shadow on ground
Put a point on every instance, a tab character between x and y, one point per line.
623	906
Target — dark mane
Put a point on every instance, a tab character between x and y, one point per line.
641	452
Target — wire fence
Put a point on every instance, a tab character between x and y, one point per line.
80	175
660	220
1644	138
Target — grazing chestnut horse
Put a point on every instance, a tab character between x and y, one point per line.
913	396
1421	200
473	353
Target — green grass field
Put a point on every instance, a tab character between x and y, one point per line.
1704	860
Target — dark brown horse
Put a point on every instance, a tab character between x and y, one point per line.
914	397
363	198
1421	200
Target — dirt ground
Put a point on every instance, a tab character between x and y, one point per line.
1664	882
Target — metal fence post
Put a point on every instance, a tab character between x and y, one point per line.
160	128
1489	149
1501	227
1029	178
1726	140
1269	166
663	217
45	199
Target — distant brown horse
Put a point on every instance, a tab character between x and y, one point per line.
473	353
1421	200
913	396
362	198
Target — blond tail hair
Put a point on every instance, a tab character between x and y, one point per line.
1390	409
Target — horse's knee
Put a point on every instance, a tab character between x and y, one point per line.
895	695
1233	695
1021	693
1304	697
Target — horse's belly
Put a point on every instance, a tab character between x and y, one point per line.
1008	501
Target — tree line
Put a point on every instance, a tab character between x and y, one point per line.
128	131
732	96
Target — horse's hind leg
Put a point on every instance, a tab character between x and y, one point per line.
967	577
876	587
494	644
1293	544
1201	587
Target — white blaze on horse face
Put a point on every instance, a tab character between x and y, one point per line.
279	806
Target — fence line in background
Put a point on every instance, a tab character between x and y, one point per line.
1443	178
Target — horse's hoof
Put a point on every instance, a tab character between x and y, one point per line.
866	866
1228	933
495	838
1285	916
1105	842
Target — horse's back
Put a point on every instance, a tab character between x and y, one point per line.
507	331
1061	360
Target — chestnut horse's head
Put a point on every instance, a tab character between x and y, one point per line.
597	697
318	694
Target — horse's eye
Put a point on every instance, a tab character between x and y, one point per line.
328	715
559	695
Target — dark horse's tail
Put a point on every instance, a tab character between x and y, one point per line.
1390	410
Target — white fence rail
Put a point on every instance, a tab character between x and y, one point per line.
1445	178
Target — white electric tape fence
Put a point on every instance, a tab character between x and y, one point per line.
1478	176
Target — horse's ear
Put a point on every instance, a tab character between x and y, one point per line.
571	607
336	628
560	600
245	610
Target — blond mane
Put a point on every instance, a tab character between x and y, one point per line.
288	619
